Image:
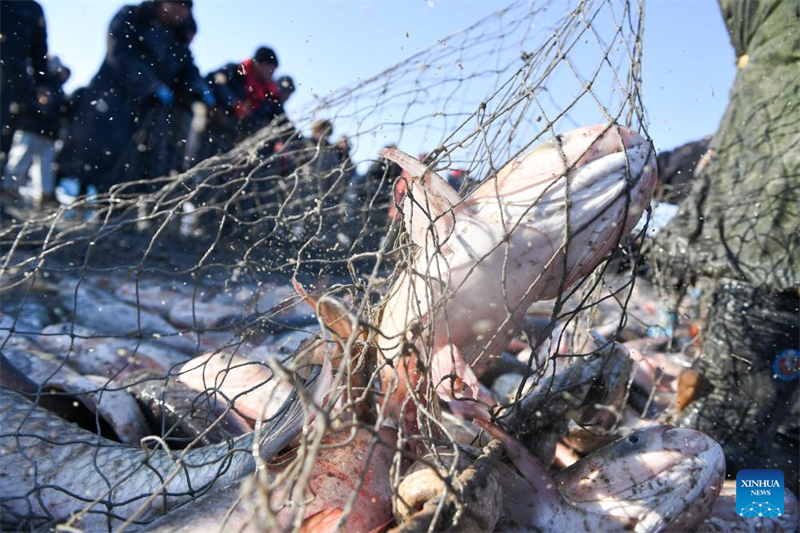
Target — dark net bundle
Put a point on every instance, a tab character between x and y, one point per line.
270	338
736	238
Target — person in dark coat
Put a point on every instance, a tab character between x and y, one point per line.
248	91
247	100
370	203
736	237
147	68
23	57
34	146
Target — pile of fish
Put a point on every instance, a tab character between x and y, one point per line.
471	398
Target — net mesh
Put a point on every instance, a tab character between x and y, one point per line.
174	295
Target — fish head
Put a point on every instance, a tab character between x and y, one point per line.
597	181
661	477
571	151
587	144
608	166
430	206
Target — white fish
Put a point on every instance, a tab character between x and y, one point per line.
250	385
486	258
90	353
656	479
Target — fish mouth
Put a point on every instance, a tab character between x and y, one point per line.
618	148
612	172
687	486
701	450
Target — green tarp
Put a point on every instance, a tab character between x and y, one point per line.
742	217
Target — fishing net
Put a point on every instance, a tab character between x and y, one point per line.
175	295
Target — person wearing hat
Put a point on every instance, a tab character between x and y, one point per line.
148	66
248	92
285	88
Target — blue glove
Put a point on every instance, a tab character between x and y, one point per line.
208	98
164	94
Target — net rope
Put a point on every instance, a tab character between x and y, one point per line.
145	285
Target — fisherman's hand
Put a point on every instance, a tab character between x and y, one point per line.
208	97
165	96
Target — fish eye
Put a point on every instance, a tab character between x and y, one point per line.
559	139
632	444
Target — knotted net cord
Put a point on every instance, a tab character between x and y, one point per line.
224	239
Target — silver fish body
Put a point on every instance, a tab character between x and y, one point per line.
106	315
80	348
51	468
114	406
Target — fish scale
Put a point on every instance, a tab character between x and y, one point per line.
51	468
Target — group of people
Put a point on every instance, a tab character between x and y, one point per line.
148	112
134	119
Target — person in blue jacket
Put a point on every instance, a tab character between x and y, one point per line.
148	64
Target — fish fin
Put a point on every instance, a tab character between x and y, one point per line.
564	456
449	360
419	171
469	409
332	312
286	424
322	386
307	298
335	317
321	521
429	200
